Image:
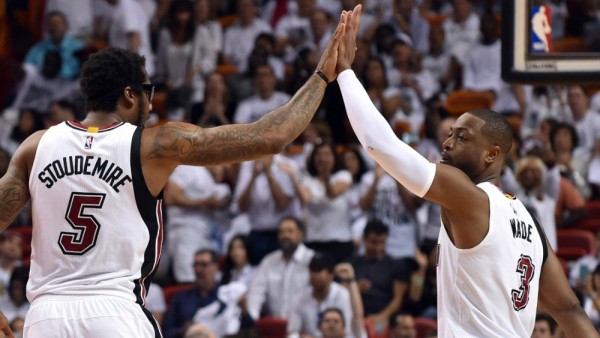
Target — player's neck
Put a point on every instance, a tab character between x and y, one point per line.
98	119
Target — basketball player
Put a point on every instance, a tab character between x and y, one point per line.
494	261
96	185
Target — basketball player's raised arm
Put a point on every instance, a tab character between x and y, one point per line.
406	165
557	297
181	143
14	185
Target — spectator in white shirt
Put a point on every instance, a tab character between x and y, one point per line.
282	274
129	29
239	38
323	294
266	194
461	28
208	43
266	99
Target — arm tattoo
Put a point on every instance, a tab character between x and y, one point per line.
14	193
231	143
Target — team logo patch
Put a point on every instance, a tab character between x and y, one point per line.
88	142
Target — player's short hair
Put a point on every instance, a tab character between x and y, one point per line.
496	128
107	73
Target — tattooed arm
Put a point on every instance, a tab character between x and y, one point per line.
14	185
172	144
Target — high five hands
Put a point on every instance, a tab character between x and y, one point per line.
340	51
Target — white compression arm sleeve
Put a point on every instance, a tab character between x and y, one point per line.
376	135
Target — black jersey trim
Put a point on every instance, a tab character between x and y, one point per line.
157	332
78	126
150	209
542	236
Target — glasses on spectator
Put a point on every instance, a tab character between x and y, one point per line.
148	88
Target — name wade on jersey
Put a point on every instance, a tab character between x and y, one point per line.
521	230
84	165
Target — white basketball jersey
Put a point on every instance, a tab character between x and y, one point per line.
491	290
97	230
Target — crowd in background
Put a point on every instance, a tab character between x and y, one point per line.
320	225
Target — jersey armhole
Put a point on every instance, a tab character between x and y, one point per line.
543	237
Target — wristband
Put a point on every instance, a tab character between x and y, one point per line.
322	75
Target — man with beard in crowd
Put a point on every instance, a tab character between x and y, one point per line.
282	274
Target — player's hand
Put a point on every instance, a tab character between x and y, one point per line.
347	48
327	63
5	327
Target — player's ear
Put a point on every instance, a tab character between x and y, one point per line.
129	94
493	154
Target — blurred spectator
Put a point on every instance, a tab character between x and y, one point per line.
237	262
462	29
591	292
587	125
564	139
332	324
155	302
421	298
14	303
174	60
382	280
375	81
11	254
29	122
4	161
192	197
57	41
324	293
482	69
402	325
304	65
442	65
320	28
530	172
207	303
293	29
408	20
266	99
282	274
409	88
217	108
344	273
240	37
580	269
39	88
353	161
264	46
61	110
386	200
545	102
545	326
77	13
17	325
327	201
129	28
208	43
265	193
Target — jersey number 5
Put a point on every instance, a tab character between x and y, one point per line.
85	225
526	269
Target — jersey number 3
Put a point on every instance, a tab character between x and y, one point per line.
85	226
525	269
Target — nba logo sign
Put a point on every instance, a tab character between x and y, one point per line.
88	142
541	29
